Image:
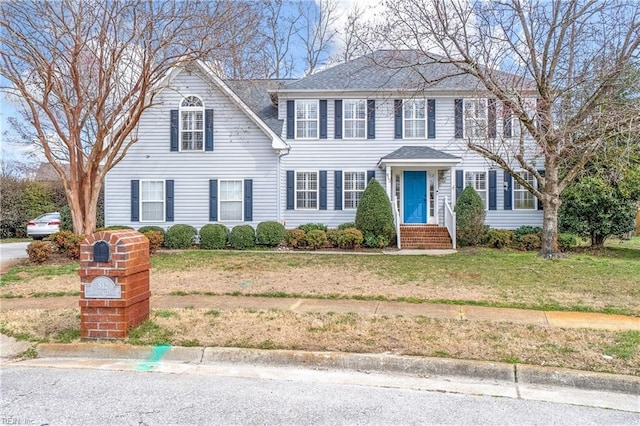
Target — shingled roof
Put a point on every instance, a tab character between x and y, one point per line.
255	93
391	70
418	153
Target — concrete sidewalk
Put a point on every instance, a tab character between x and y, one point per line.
553	319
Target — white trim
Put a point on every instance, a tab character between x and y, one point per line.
201	109
164	200
241	200
404	125
295	190
295	119
344	180
366	119
486	182
514	182
420	162
475	118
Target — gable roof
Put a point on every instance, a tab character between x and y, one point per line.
392	70
419	153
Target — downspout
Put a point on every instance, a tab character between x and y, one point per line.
281	153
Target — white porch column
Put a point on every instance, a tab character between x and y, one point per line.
388	182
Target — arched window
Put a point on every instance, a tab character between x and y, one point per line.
191	124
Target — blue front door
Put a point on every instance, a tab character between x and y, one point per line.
415	197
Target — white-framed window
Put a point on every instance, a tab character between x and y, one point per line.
414	113
510	123
475	118
354	184
230	199
354	118
478	181
152	201
191	124
522	198
307	190
307	119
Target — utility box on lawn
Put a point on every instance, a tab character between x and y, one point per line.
114	276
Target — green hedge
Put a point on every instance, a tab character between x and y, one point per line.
180	236
214	236
242	237
270	234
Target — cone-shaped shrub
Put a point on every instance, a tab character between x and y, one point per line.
469	217
374	215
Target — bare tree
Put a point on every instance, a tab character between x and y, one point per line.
279	30
353	36
317	31
83	72
558	67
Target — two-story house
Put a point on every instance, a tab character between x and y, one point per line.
300	151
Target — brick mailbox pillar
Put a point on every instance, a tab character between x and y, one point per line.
114	276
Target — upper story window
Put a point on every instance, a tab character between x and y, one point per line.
478	181
355	119
307	119
152	201
354	185
192	124
475	118
522	198
510	123
306	190
414	114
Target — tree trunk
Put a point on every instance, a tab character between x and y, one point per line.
83	209
550	206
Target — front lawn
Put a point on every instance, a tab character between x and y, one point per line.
606	281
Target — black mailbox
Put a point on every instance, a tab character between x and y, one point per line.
101	251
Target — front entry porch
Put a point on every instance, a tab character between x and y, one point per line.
419	186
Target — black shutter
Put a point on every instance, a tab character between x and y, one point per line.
291	195
459	183
337	125
507	191
371	174
323	119
337	190
323	190
135	201
493	190
431	118
174	130
291	114
213	200
371	119
491	118
507	122
208	130
397	108
539	202
169	200
248	200
459	133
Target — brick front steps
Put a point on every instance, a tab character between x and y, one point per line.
426	237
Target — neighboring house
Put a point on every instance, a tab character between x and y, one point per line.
301	151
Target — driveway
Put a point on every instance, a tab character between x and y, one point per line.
10	252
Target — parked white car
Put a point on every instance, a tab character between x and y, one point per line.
44	225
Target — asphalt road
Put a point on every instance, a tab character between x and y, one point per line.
10	251
48	395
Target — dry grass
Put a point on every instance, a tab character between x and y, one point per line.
578	349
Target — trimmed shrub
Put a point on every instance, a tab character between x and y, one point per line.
350	238
312	226
500	238
242	237
374	214
346	225
566	241
295	238
67	243
114	228
155	240
39	251
316	238
270	234
333	235
374	241
469	217
214	236
526	230
159	229
180	236
529	242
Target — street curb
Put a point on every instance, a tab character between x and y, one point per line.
383	363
